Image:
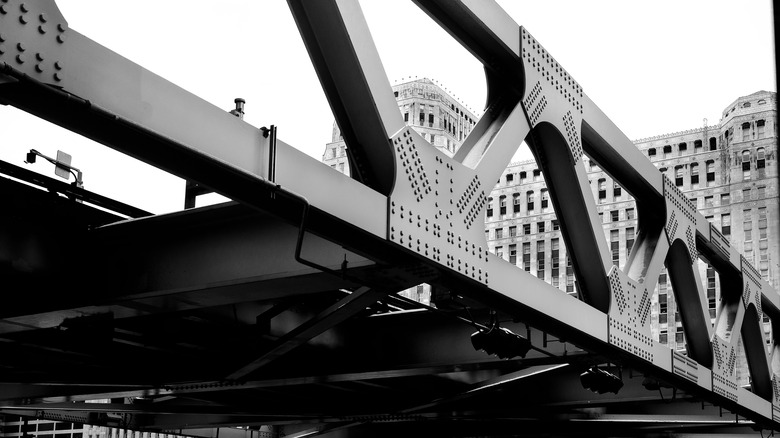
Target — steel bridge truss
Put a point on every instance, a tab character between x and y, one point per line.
410	214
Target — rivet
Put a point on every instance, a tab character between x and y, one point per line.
62	27
23	19
43	18
41	30
58	65
3	10
57	77
20	59
39	56
38	68
2	50
23	7
60	39
21	47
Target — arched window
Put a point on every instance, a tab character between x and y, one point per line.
602	186
545	199
745	165
529	200
710	169
694	175
515	202
502	205
678	176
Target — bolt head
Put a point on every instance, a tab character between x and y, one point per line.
43	18
24	8
21	47
23	19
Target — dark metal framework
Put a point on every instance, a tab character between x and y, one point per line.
277	309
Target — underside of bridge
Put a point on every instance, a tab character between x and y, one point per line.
281	308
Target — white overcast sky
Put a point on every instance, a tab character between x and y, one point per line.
654	67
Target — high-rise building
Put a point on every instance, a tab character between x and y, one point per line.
729	170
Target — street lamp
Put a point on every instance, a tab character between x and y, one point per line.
62	167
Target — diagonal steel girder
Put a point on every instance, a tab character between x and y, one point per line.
420	205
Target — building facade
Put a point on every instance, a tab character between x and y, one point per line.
729	170
438	117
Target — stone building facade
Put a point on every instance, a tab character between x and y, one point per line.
729	170
428	109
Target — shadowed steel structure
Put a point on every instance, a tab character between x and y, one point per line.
280	308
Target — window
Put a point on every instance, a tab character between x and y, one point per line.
696	145
725	199
667	150
745	165
540	227
630	214
745	194
515	202
616	190
540	259
762	221
725	227
708	202
747	225
760	129
523	177
629	240
710	169
761	163
529	201
406	117
502	205
745	131
683	147
602	186
513	254
694	175
526	229
537	174
713	144
761	192
651	152
509	178
555	225
527	257
555	261
678	176
513	231
499	233
614	236
430	121
614	215
490	207
500	251
545	199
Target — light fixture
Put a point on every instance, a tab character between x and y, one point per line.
500	342
600	381
62	167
